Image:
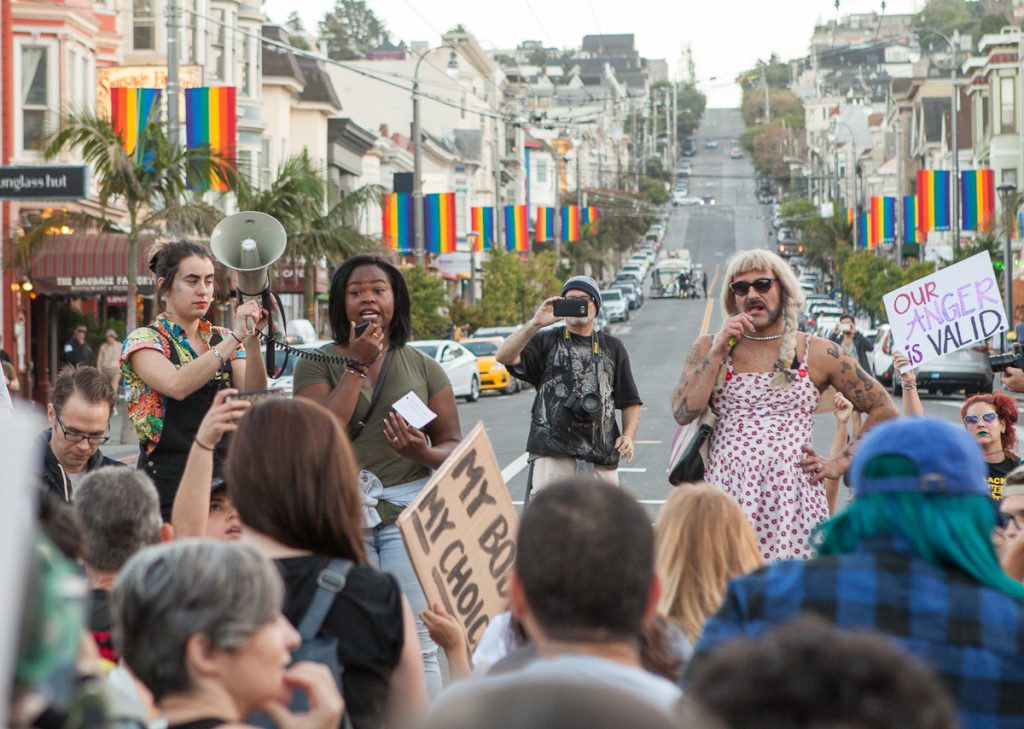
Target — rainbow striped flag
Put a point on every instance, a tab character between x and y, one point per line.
849	217
517	230
910	218
588	216
932	200
483	226
397	222
882	221
439	222
544	227
571	223
210	119
863	233
130	110
978	199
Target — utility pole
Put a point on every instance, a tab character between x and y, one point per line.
900	189
953	105
767	98
675	124
173	116
498	210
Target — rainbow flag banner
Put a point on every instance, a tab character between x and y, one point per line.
933	205
397	222
571	223
863	233
544	227
882	223
439	222
483	226
210	119
517	231
588	216
130	110
849	217
977	200
910	219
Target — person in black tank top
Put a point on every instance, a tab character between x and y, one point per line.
199	623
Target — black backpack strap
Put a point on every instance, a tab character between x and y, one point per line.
355	430
329	584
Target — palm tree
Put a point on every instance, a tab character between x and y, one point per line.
158	187
315	232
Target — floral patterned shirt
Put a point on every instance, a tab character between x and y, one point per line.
146	406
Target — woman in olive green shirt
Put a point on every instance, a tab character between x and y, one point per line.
395	457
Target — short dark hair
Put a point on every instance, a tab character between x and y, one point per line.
847	316
165	258
92	385
401	320
809	674
586	561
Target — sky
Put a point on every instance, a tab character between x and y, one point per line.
726	36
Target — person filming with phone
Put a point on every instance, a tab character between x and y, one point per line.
582	377
853	342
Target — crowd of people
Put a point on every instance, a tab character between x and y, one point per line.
250	570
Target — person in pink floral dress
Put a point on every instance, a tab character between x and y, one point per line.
763	380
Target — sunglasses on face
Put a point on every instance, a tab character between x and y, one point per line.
1005	519
742	288
975	419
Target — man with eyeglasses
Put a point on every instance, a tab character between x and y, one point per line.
79	413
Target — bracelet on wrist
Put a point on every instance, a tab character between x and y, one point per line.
235	337
354	371
219	356
352	362
201	445
909	385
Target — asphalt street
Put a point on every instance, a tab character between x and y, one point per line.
658	336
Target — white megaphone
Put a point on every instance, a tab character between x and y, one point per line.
249	243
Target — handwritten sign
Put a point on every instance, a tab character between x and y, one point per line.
461	535
946	311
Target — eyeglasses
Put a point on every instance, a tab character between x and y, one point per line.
742	288
73	436
974	419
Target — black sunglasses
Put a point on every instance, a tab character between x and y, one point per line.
742	288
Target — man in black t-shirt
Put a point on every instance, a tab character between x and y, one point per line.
582	377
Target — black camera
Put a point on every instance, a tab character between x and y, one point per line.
1000	362
584	405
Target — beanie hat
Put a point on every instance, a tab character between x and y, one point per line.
922	455
587	285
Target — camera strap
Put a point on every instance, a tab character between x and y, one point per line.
356	430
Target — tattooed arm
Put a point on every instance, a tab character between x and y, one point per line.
706	357
860	388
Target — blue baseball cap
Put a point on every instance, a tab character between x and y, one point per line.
918	455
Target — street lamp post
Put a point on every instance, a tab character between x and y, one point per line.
1006	191
417	142
856	210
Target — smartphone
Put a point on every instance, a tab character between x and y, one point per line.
362	327
254	395
575	308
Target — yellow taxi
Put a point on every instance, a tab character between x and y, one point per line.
493	375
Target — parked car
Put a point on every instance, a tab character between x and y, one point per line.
686	201
736	153
287	360
457	362
634	296
711	144
966	369
634	268
493	374
614	304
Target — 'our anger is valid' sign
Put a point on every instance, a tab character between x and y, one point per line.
946	311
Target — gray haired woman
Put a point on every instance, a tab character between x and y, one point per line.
199	623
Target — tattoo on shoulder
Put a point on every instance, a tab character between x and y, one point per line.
693	357
833	351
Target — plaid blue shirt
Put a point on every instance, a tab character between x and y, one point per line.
970	634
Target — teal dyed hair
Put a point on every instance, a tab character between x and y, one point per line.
949	531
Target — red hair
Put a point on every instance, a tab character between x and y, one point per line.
1005	407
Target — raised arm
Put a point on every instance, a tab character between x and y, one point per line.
911	399
342	398
513	346
706	357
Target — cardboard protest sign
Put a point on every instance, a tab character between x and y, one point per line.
946	311
460	533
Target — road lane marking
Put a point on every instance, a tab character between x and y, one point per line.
512	470
708	308
649	442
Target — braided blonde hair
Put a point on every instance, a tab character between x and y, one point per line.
792	301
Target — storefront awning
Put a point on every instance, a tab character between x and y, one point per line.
83	264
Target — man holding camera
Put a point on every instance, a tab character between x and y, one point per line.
853	342
582	377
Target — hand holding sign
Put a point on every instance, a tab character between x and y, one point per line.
946	311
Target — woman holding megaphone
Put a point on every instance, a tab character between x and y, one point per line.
175	366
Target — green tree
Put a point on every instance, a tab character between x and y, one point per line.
691	103
543	279
152	186
429	297
503	285
296	28
654	190
351	29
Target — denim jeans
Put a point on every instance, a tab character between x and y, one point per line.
386	551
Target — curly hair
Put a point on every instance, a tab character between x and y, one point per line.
791	301
1005	407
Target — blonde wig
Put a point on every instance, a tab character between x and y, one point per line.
703	539
791	301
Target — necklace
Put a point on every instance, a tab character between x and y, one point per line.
772	338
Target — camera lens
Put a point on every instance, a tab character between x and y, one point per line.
590	404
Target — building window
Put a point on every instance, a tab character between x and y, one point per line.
1007	107
1008	176
143	25
218	44
265	163
35	96
542	171
248	72
245	167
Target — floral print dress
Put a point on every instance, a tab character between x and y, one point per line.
755	453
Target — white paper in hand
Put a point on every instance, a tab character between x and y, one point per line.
414	410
